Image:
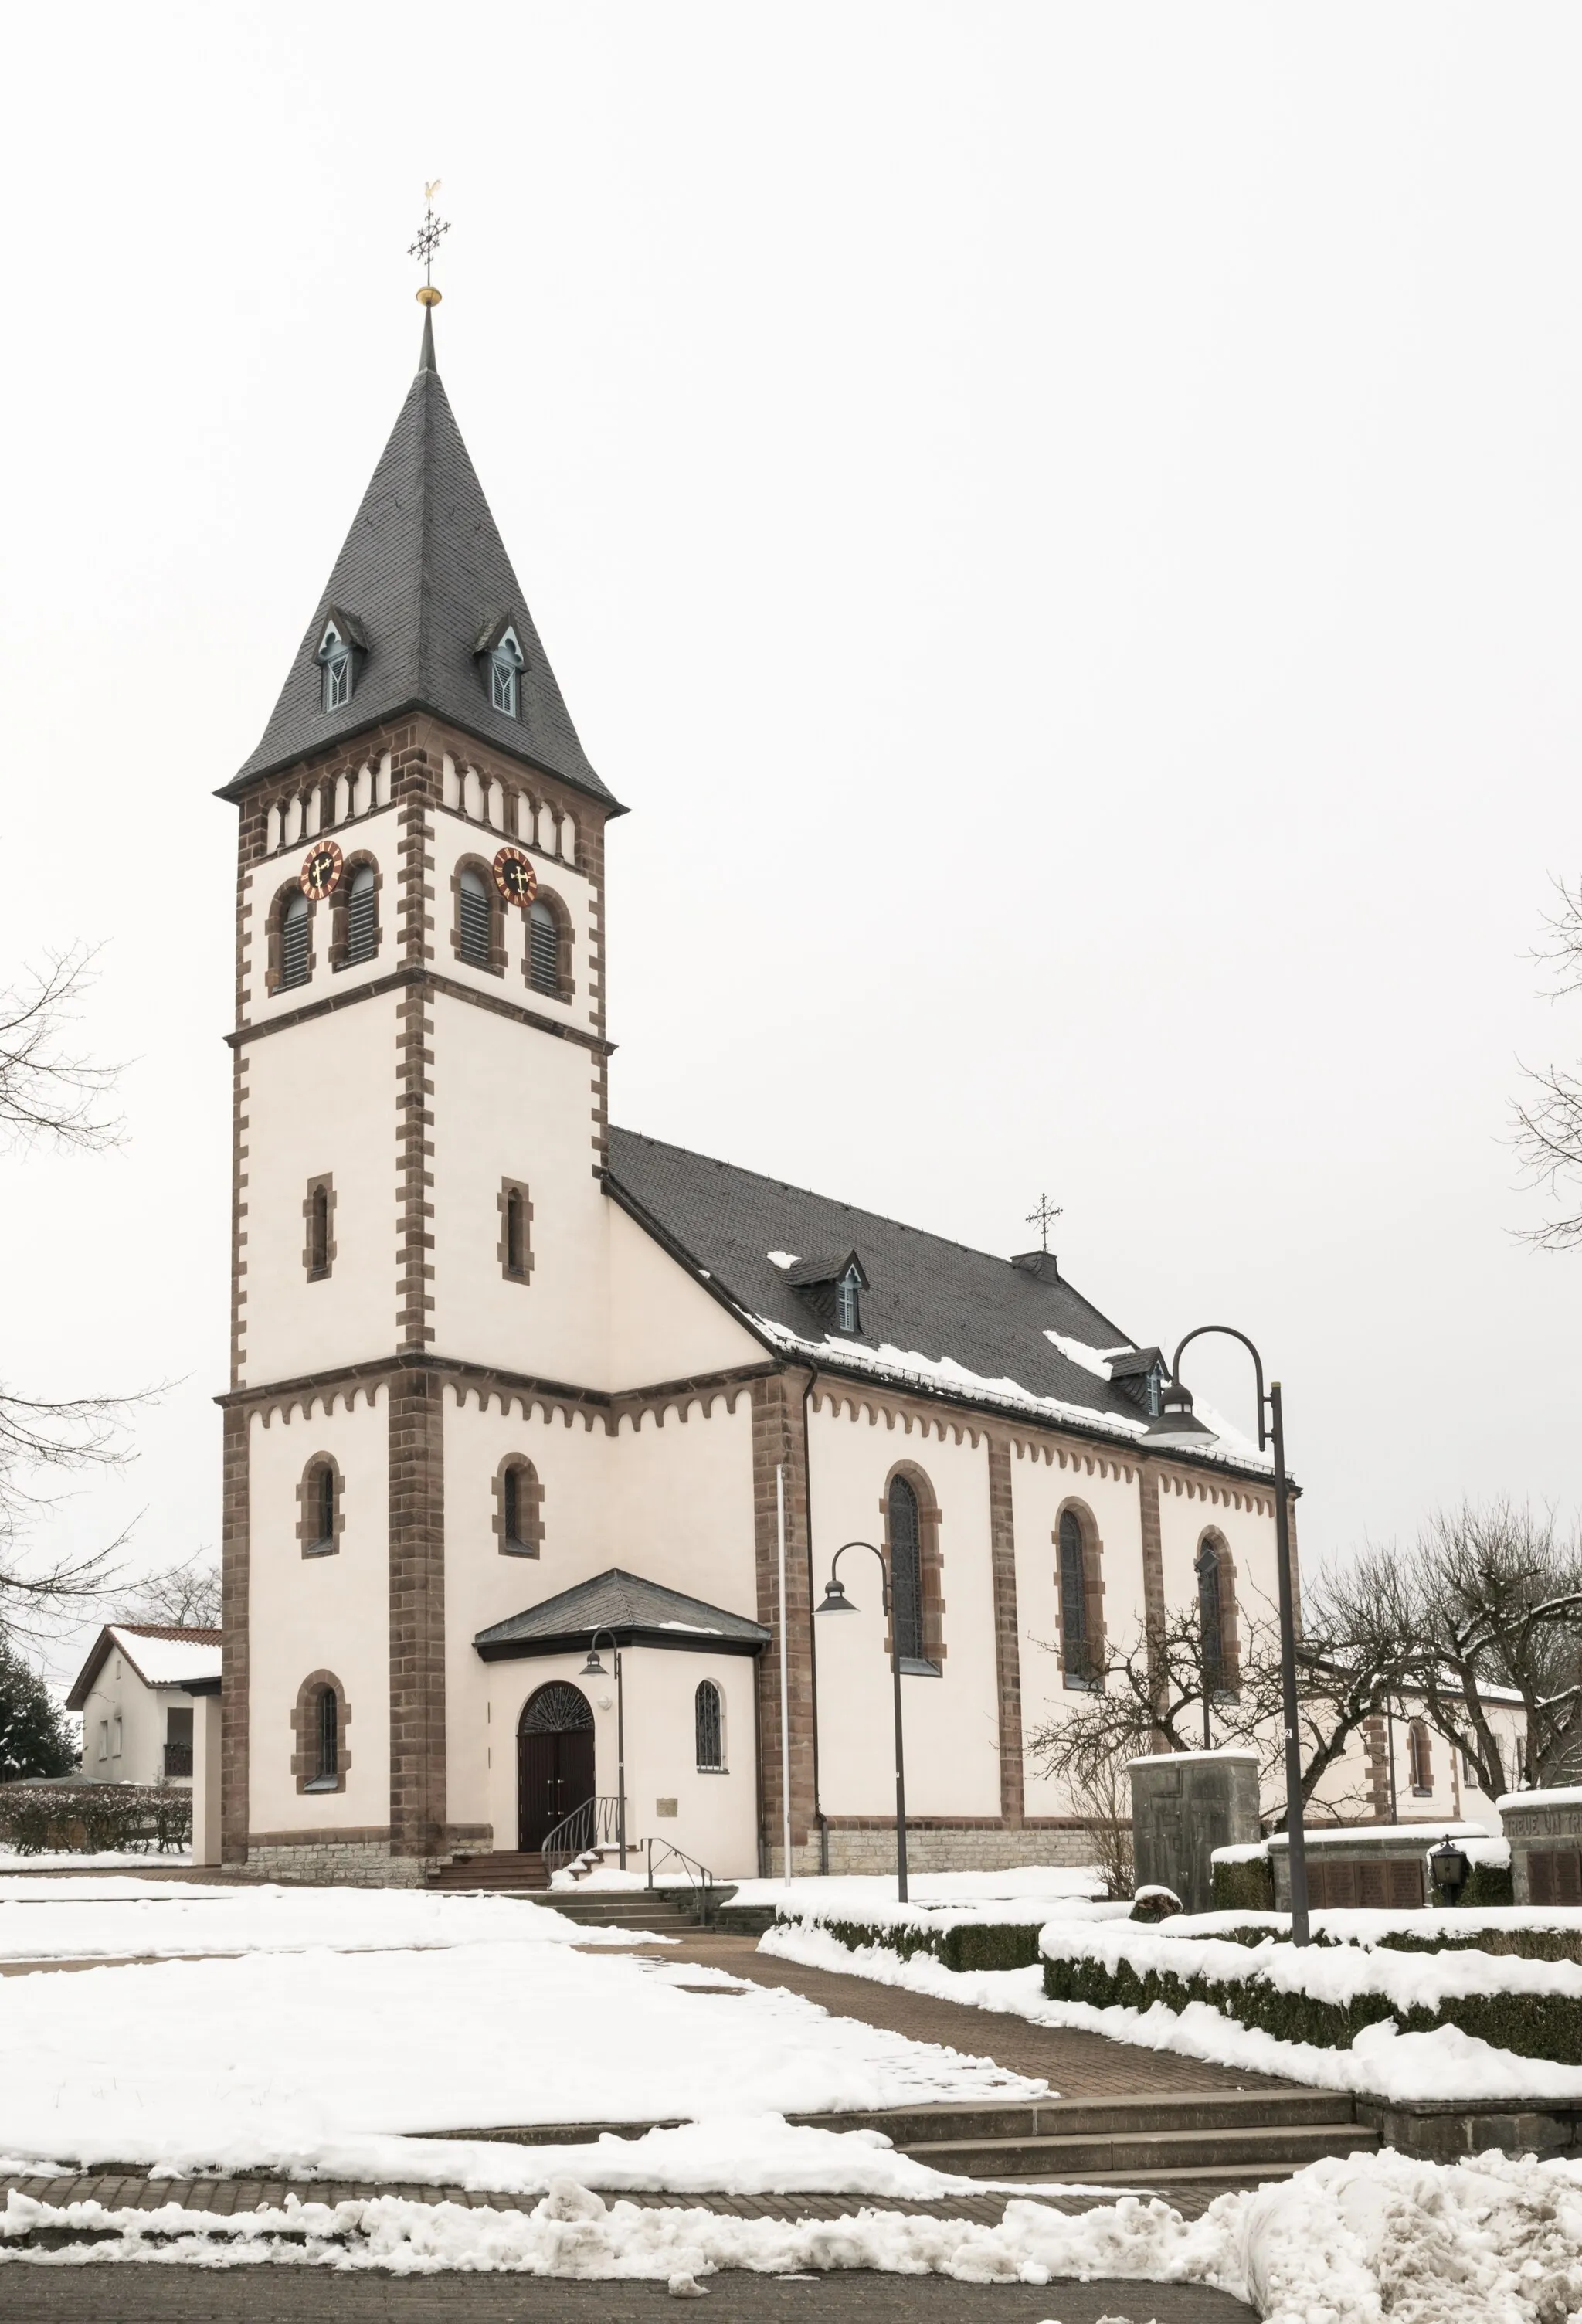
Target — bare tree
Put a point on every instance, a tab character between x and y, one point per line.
51	1095
1548	1134
186	1595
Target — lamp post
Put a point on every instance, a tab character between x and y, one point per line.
594	1668
835	1602
1178	1400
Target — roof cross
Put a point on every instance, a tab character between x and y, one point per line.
428	242
1043	1216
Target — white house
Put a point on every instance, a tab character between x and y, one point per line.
510	1385
133	1694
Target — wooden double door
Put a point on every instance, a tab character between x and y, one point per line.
555	1761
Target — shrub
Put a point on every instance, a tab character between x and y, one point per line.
968	1945
85	1818
1532	2026
1247	1886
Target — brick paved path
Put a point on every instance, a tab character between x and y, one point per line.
1075	2065
154	2294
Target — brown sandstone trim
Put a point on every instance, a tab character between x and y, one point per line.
305	1753
321	1835
1154	1614
1008	1648
234	1651
239	1122
611	1405
417	1614
779	1441
414	1173
417	976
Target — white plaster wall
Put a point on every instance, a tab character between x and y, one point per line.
321	1096
119	1692
455	838
715	1819
319	1613
664	1325
952	1722
377	834
672	1504
512	1102
1101	1486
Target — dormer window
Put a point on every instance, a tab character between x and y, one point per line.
335	661
506	665
847	1314
832	1286
1140	1374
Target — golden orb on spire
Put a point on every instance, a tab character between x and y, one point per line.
427	295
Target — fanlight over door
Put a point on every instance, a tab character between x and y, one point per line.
555	1760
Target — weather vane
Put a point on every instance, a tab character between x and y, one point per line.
1043	1216
427	243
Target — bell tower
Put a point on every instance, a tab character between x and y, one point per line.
420	1116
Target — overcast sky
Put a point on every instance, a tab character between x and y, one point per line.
1059	521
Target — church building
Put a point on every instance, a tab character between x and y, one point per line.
519	1399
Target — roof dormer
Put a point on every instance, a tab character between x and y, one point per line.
1142	1374
832	1285
341	652
499	654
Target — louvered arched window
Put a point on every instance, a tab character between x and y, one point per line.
1075	1645
335	661
543	948
1420	1758
906	1571
708	1711
1211	1616
505	675
478	920
362	915
294	928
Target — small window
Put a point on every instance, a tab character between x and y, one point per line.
513	1508
478	920
327	1741
335	661
362	915
847	1315
543	948
321	1509
519	1520
318	1231
1211	1617
103	1739
1420	1759
505	675
709	1721
294	928
1075	1660
115	1738
516	1235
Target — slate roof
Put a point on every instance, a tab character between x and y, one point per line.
926	1298
423	573
639	1612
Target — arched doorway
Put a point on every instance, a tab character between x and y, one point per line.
554	1760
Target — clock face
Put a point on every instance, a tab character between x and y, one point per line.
321	870
515	877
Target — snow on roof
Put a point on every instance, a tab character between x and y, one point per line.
163	1655
1564	1795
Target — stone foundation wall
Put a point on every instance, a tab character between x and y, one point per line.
990	1849
340	1864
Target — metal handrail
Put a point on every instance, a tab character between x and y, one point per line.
699	1878
594	1824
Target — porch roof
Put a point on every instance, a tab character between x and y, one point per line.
635	1611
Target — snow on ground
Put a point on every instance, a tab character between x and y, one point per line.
1346	2241
271	2058
867	1897
104	1859
1446	2063
120	1918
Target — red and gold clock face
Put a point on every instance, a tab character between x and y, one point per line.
515	877
321	870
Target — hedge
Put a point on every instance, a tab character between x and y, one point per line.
1247	1886
84	1818
967	1945
1533	2025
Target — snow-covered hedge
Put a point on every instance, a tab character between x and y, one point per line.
1325	1994
961	1937
85	1818
1533	1931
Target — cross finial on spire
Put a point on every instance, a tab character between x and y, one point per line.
1043	1216
428	242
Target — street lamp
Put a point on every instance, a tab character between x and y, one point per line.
835	1602
594	1668
1177	1400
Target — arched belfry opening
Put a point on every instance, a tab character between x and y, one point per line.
554	1760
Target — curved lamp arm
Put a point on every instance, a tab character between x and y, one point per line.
883	1568
1229	1332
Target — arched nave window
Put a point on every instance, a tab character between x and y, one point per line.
708	1710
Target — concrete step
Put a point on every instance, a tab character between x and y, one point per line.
1167	2152
999	2120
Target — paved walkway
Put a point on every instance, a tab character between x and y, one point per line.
1075	2065
155	2294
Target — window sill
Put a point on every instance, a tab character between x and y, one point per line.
912	1668
323	1783
516	1549
713	1771
1422	1791
320	1549
318	1274
1074	1683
